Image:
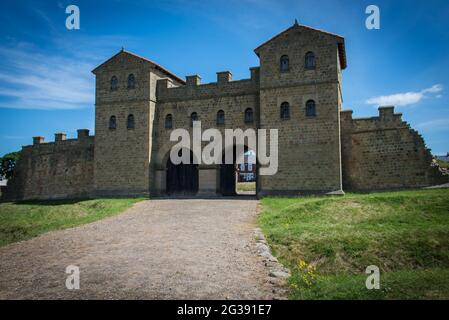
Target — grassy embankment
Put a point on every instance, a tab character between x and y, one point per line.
328	242
24	220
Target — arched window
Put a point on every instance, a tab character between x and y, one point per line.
130	122
112	123
220	117
114	83
285	111
193	117
310	108
249	115
310	60
284	63
131	81
168	121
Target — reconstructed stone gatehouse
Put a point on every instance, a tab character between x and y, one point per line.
297	89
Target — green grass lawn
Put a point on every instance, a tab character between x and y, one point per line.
246	186
21	221
405	234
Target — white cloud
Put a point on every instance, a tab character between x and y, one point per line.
61	78
434	89
31	80
404	99
398	99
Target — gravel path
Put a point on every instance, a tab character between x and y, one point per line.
159	249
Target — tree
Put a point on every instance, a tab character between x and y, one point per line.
8	164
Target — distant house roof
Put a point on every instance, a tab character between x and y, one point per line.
443	158
154	64
341	43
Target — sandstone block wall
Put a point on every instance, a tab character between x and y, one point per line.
383	152
56	170
122	155
309	147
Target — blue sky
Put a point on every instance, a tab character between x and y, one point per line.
46	85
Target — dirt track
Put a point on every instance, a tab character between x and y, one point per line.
159	249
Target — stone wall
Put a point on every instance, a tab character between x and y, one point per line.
309	147
122	155
383	152
167	91
56	170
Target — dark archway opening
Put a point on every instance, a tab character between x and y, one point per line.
182	178
227	180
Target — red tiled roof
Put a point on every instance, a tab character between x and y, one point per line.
341	45
157	66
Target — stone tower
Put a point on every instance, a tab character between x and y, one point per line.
300	70
125	103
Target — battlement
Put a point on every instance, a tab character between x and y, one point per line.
193	80
225	86
386	119
60	169
224	77
383	152
61	139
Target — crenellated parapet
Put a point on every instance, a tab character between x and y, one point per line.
224	86
384	152
83	137
59	169
386	119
